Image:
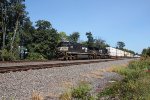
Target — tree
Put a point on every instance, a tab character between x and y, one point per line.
12	14
120	44
3	19
19	10
90	41
84	43
43	25
100	43
63	36
74	37
27	35
146	52
44	40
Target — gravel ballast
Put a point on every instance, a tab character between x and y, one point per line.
50	83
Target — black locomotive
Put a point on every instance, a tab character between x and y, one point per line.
71	51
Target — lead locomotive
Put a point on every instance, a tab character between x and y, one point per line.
71	51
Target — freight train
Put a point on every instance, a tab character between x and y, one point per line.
71	51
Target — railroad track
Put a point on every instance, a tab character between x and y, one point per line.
43	66
23	61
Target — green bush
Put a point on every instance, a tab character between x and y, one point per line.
129	89
134	86
82	92
35	56
7	56
140	64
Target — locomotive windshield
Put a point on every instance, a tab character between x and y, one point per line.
63	44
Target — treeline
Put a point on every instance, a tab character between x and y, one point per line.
19	39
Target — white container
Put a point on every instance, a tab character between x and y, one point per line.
116	52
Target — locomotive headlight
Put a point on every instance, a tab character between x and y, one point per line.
63	48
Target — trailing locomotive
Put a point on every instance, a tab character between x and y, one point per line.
71	51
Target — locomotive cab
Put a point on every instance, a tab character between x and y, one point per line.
63	46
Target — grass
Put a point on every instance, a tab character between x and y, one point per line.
37	96
134	86
66	96
81	92
114	68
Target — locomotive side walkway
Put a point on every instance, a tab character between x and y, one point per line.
50	83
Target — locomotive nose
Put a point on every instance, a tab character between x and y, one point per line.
62	48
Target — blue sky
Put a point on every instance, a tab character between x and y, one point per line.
111	20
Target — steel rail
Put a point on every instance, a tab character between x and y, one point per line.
43	66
